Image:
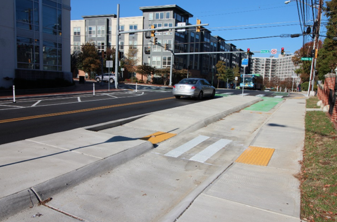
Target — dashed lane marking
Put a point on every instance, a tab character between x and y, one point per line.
79	99
256	156
158	137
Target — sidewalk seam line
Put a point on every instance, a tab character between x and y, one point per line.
252	206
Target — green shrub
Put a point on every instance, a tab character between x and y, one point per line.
304	86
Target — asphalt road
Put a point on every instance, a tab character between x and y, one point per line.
33	117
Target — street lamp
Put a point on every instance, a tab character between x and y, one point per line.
287	2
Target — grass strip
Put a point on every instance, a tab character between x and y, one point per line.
312	102
319	169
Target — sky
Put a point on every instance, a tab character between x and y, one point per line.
236	21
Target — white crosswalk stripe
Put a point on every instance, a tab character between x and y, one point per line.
210	150
229	93
187	146
203	155
261	95
278	96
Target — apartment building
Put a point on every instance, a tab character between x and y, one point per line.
100	29
281	67
285	67
35	40
265	66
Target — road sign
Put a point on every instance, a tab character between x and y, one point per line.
181	24
273	51
306	58
264	51
109	63
244	62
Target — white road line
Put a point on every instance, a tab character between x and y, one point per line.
36	103
187	146
79	99
278	96
12	106
260	95
210	150
227	93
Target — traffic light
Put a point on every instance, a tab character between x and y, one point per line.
198	23
153	31
316	52
248	51
165	46
282	51
154	41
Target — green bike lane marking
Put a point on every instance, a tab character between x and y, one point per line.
266	105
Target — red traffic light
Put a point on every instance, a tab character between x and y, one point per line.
282	50
248	50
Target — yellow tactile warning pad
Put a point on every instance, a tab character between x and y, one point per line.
256	156
158	137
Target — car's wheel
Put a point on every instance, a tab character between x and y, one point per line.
97	80
213	94
201	95
111	80
177	97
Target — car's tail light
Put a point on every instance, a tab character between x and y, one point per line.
193	87
174	86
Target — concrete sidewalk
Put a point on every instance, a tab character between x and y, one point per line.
40	167
249	192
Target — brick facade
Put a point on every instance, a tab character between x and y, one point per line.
323	94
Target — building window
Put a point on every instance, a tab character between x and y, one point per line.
52	56
28	53
170	25
133	44
100	31
156	61
133	27
77	46
92	31
166	61
150	16
121	28
77	31
159	15
52	18
27	15
167	15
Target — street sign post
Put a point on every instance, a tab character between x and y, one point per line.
306	59
264	51
273	51
244	62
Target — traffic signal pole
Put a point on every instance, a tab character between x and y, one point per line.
117	49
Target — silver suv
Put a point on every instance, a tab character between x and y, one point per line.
106	77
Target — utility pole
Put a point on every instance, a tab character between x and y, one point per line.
313	62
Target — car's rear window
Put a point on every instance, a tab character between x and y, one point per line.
188	81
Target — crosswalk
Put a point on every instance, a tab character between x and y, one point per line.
203	155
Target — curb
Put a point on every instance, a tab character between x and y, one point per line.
24	199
